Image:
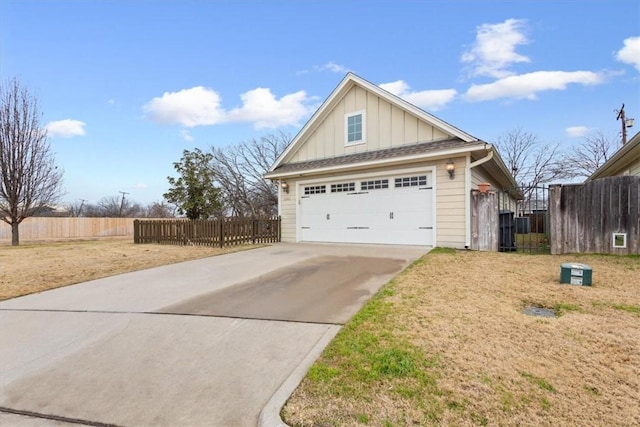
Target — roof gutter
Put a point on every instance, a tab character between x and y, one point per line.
485	159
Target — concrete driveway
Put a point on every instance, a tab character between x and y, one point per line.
220	341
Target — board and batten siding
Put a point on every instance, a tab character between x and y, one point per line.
385	126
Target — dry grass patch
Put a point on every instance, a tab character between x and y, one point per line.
36	267
446	343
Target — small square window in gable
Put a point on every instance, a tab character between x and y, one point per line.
355	128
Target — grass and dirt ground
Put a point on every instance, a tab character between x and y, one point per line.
38	266
446	343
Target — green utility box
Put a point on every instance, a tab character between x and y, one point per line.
575	274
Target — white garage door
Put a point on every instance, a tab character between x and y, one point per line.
396	209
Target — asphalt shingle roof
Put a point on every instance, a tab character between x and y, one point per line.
368	156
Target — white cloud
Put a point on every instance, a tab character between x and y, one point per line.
186	135
527	86
577	131
427	99
630	53
494	48
329	66
189	107
140	186
333	67
200	106
65	128
262	108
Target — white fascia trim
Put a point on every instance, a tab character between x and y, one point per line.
610	164
429	118
312	120
375	163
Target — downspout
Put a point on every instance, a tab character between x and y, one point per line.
467	199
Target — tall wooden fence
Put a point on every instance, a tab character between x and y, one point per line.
225	232
592	217
485	230
53	228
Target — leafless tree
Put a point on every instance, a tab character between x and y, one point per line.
531	161
30	178
77	208
585	159
239	172
117	207
159	210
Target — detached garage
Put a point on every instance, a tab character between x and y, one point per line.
369	167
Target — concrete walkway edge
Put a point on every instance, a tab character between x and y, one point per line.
270	414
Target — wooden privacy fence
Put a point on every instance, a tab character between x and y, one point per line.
485	230
44	228
600	216
225	232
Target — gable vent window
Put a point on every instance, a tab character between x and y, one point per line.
411	181
315	189
354	125
374	185
339	188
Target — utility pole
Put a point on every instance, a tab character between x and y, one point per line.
122	202
626	123
81	205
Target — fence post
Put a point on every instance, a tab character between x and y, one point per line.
279	228
556	233
136	232
254	230
221	233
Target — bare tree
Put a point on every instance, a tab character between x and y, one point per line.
239	172
531	161
92	210
588	157
159	210
30	178
77	208
118	207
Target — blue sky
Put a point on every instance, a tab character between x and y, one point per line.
125	86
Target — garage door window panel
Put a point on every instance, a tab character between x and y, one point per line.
376	184
343	187
315	189
411	181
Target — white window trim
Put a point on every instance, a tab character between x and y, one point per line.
346	128
624	240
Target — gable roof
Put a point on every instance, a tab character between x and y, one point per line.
621	160
339	92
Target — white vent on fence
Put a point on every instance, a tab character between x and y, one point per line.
619	240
